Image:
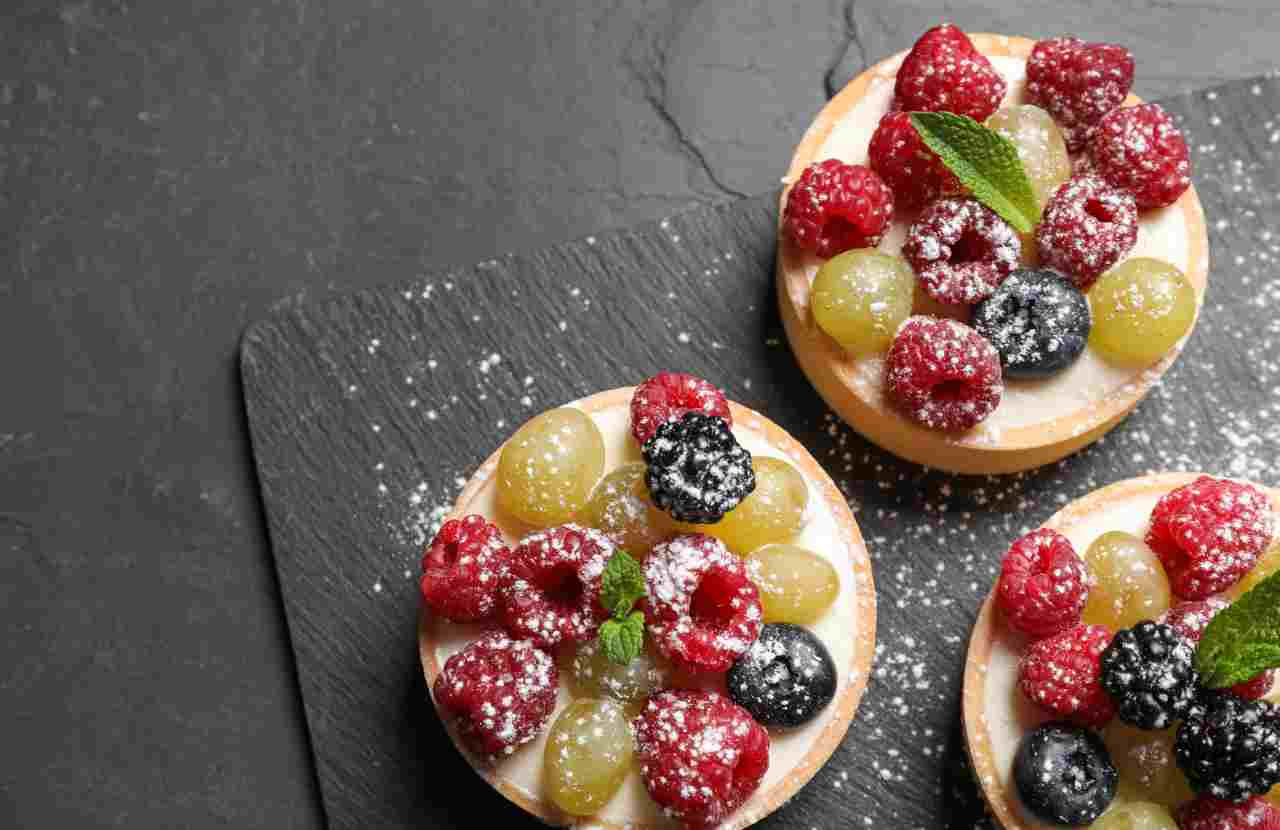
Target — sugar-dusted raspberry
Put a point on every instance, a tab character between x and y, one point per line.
944	72
1209	813
552	594
1044	584
961	250
499	692
464	568
1062	675
1209	534
942	374
835	207
703	610
1086	227
1141	150
1078	83
914	173
1190	619
667	396
701	755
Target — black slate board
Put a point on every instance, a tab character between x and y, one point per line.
369	411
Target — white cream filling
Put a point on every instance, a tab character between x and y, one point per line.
820	533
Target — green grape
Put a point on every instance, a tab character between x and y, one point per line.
1136	815
1040	146
588	755
860	298
772	513
1145	761
549	467
1130	583
1141	309
591	673
796	585
1268	564
620	507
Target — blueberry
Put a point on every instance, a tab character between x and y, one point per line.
1064	774
786	678
1038	321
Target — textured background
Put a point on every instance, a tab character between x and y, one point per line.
171	170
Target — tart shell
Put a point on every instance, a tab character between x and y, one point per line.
763	801
830	368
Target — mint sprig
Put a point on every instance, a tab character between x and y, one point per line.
621	587
1242	640
984	161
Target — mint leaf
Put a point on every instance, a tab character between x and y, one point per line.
984	161
623	639
622	584
1243	640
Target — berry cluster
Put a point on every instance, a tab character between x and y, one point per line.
1082	673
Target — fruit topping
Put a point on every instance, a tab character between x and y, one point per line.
961	250
835	207
696	470
1061	673
701	755
861	297
1145	760
587	757
1268	564
1040	147
944	72
796	585
1191	618
1064	774
942	374
1148	672
1206	813
621	509
668	396
914	173
1086	227
786	678
463	569
1229	747
772	513
1209	534
1038	321
1043	584
703	611
1136	815
1078	83
1141	309
553	592
1141	150
548	468
592	674
499	692
1129	584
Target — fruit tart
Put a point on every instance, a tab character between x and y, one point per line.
650	608
1121	675
989	251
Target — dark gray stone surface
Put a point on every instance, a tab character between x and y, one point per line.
368	412
171	170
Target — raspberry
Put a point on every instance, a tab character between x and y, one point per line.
942	374
1043	584
961	250
703	610
1141	150
913	172
553	592
834	207
1078	83
944	72
1061	674
499	692
1208	813
701	755
1229	747
1209	534
1148	671
667	396
1086	227
1190	619
696	470
463	569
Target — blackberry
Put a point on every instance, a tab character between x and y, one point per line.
1038	321
1148	671
696	470
1064	774
1229	747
